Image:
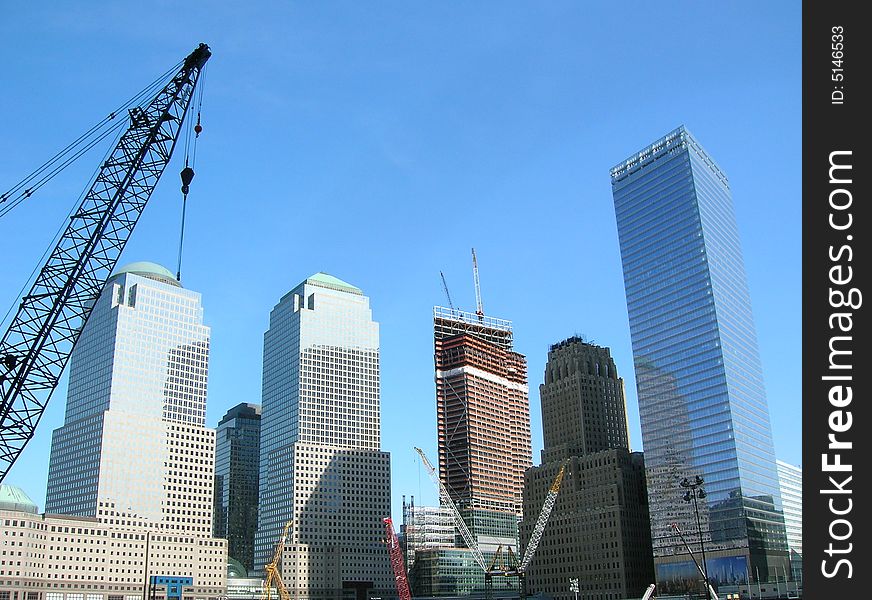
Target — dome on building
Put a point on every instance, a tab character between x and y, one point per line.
235	569
334	283
14	498
149	270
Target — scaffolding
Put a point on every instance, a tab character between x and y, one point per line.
449	322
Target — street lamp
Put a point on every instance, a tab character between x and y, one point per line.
693	490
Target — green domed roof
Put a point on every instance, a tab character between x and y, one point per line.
14	498
334	283
150	270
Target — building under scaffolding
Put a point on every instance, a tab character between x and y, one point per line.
425	528
483	419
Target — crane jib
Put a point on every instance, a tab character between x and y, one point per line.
37	345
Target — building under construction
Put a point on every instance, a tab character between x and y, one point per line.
483	411
483	419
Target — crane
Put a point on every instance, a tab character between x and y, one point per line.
510	567
272	569
547	507
444	496
37	345
397	560
711	591
447	295
479	309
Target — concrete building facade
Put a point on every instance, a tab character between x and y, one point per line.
321	466
237	456
64	557
482	411
699	379
599	530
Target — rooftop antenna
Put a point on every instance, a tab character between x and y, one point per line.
478	307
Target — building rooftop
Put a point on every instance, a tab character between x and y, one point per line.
149	270
14	498
333	283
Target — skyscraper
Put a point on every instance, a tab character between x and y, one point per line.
483	422
603	493
237	456
700	386
320	462
790	481
134	451
482	411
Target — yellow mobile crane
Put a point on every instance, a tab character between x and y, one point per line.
273	576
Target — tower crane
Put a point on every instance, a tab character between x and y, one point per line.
519	570
479	309
447	295
37	345
273	576
397	564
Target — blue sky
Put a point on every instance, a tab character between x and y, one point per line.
379	142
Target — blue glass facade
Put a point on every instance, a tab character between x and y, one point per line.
702	401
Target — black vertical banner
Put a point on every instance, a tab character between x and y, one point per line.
837	427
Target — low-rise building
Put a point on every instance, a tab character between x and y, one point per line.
62	557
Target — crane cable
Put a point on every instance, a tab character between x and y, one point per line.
145	94
74	150
187	173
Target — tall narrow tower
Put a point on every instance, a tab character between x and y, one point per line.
321	466
603	494
700	385
237	457
483	415
133	449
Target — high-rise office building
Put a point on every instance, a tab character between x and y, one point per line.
699	380
237	456
790	481
583	405
134	451
482	411
483	422
599	530
321	466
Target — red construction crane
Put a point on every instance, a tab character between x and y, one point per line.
397	563
36	347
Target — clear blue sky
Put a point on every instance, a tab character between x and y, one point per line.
380	141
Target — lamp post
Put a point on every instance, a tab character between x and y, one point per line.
693	490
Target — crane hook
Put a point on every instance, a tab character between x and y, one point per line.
187	176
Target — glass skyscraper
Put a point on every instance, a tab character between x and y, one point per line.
237	457
790	478
699	380
321	466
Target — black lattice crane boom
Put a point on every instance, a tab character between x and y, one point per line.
36	347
